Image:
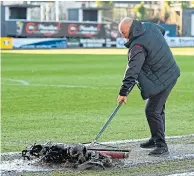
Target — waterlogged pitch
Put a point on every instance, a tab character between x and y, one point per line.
67	98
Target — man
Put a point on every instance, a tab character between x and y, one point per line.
152	65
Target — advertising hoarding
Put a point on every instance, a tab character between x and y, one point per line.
39	43
59	29
6	43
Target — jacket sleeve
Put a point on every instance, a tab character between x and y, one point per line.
136	59
160	28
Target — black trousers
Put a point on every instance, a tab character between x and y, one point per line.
155	113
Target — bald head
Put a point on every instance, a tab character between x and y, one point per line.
124	26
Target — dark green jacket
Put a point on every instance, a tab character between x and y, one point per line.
150	60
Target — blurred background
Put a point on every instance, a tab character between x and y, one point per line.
89	24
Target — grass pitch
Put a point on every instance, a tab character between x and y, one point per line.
67	98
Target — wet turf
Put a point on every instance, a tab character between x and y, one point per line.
69	97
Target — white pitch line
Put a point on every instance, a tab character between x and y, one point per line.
183	174
63	85
81	86
17	80
118	142
144	139
68	86
60	85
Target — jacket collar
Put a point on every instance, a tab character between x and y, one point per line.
137	29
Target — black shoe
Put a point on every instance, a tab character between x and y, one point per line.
148	144
160	151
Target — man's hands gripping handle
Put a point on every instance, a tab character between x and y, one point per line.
123	99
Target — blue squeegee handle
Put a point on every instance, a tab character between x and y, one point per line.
111	117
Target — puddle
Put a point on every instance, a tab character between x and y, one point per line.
12	163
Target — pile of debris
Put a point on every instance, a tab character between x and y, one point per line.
73	155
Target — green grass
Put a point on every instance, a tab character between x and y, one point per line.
46	110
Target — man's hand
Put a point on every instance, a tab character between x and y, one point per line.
121	98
